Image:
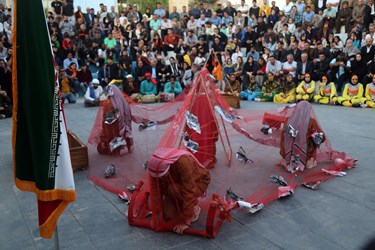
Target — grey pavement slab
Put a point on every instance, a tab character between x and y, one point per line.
340	215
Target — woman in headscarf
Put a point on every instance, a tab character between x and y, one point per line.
324	32
350	50
261	70
248	70
370	94
359	67
72	73
352	95
229	67
287	91
327	92
305	90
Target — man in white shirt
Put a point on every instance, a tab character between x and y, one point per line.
334	3
202	21
210	28
290	66
287	8
244	9
273	66
93	92
165	25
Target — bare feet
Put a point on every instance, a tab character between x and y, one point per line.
313	185
282	162
311	163
180	228
130	149
197	211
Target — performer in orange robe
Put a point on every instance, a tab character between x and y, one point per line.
177	180
115	106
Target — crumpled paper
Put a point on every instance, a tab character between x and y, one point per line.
109	171
117	142
241	156
192	122
266	129
251	208
291	131
225	115
124	197
192	145
317	138
151	125
332	172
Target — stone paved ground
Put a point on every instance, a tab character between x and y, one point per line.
340	215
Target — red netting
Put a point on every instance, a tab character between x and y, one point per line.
221	131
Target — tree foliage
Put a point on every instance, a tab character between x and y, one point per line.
143	4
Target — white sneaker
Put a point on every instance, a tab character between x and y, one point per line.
256	99
363	105
2	116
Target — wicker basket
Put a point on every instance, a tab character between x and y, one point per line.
78	152
233	101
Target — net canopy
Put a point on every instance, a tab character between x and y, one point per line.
247	158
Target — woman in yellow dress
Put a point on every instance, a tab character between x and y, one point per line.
305	90
287	91
352	96
327	92
370	94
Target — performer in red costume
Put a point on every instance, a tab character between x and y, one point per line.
206	140
299	142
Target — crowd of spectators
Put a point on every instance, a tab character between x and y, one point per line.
5	63
299	51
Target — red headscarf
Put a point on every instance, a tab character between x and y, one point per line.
162	158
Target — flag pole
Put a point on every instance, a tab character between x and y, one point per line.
56	239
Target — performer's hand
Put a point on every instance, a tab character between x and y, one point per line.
180	228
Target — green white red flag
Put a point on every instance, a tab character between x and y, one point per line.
40	145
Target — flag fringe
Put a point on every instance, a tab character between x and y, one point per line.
46	195
48	227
